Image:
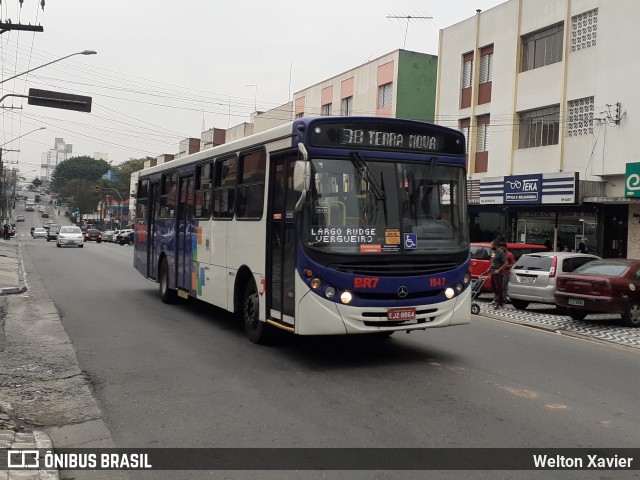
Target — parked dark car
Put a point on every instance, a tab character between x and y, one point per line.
92	234
602	286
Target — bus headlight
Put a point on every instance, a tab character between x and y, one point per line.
449	293
315	283
330	292
467	278
459	287
346	297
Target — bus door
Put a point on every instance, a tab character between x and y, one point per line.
152	245
184	233
281	240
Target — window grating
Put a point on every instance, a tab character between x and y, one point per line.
584	30
539	127
580	117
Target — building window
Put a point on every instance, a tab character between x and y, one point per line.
482	137
539	127
584	30
486	65
466	80
464	126
543	47
346	108
300	115
384	95
580	117
326	110
467	71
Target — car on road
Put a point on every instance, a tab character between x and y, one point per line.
126	238
602	286
39	233
44	215
481	258
121	234
52	231
93	234
70	236
109	235
533	277
20	218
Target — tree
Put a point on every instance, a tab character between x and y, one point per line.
122	175
85	199
78	168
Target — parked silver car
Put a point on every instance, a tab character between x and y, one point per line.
533	277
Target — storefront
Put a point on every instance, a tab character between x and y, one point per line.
537	208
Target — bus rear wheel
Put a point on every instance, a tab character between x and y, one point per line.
257	331
167	295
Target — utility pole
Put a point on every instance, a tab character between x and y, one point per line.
7	25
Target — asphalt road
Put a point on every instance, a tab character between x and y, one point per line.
185	376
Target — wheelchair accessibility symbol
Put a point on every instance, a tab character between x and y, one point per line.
410	241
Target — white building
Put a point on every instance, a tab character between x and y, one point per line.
545	91
61	151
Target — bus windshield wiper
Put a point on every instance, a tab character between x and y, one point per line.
362	167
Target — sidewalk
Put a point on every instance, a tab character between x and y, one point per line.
45	398
12	434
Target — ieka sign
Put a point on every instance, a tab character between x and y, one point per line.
522	189
632	181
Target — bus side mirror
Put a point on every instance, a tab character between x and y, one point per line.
301	175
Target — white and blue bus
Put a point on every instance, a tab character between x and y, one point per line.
322	226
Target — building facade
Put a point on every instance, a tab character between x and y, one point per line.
61	151
544	91
400	84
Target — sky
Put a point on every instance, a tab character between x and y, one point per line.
164	69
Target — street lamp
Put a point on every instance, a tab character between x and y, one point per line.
23	135
84	52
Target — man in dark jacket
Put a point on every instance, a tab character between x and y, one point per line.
498	264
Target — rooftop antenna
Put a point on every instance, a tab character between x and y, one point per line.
421	17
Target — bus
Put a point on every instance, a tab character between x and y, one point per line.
322	226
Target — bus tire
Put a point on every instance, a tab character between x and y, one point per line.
167	295
257	331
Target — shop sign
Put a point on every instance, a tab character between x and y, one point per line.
532	189
632	181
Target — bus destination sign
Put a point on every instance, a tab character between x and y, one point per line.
381	136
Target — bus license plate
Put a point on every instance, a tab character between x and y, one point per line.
401	314
578	302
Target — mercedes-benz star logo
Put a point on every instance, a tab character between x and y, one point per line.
403	291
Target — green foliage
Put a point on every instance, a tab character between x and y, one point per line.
85	199
122	175
78	168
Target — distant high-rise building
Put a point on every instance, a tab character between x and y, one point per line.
61	151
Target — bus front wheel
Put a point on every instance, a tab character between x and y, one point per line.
167	295
257	331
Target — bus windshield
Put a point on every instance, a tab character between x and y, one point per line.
364	206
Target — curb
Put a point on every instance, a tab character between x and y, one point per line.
43	441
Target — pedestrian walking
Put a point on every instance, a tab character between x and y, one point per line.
511	260
582	248
498	264
5	229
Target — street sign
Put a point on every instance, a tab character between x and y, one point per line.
66	101
632	181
